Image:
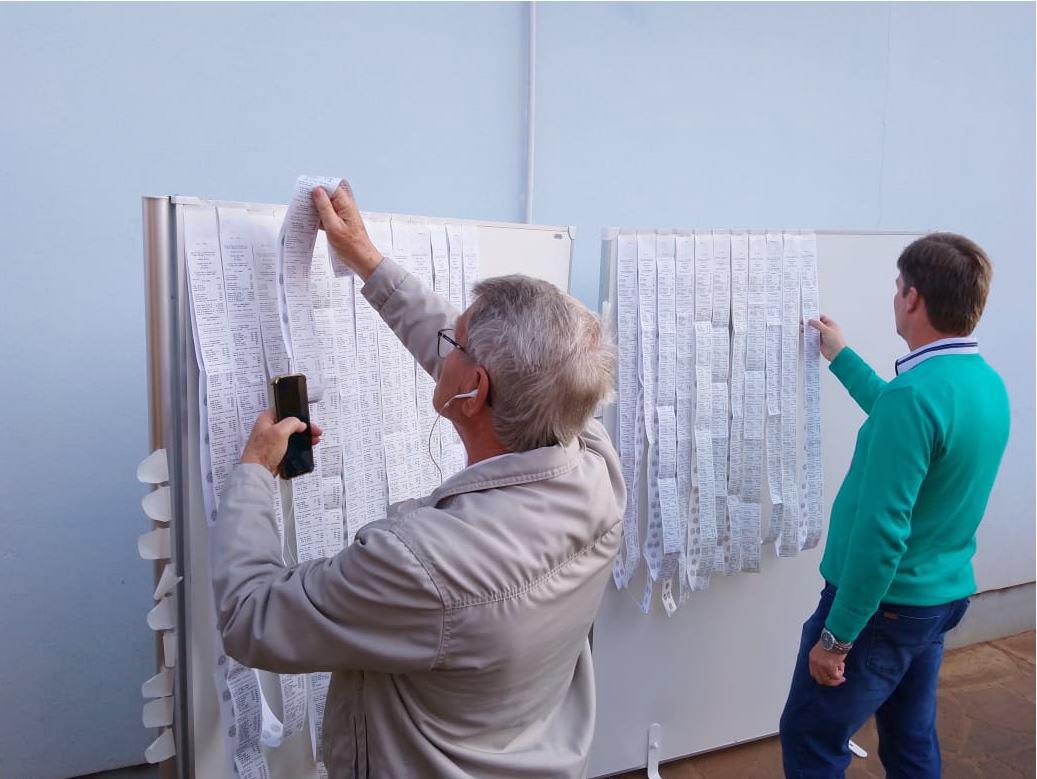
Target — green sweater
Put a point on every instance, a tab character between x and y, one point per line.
903	527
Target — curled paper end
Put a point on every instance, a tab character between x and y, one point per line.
163	616
157	504
669	602
158	713
154	469
166	582
272	730
154	545
158	686
162	748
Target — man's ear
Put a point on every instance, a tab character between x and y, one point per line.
472	406
913	300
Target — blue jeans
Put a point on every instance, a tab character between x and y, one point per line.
891	672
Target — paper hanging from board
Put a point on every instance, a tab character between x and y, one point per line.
293	703
811	488
298	239
317	695
712	359
250	763
272	732
240	300
628	401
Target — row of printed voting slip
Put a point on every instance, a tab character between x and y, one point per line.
718	405
267	299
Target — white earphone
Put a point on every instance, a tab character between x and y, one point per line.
439	415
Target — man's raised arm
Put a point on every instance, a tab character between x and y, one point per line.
415	313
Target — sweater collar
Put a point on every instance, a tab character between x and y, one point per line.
957	345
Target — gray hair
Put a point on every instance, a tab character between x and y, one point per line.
548	358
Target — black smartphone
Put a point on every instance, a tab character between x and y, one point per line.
290	400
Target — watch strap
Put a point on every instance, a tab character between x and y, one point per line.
832	644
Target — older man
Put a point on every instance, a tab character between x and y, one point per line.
456	628
903	528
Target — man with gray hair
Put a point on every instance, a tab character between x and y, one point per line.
456	629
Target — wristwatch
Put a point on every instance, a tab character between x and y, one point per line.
830	644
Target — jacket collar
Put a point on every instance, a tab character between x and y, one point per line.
546	462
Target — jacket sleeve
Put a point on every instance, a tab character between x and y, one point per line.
412	310
863	384
895	466
373	606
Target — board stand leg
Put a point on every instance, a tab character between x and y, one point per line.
655	732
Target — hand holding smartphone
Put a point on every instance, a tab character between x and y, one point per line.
291	400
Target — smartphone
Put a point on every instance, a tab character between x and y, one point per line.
290	400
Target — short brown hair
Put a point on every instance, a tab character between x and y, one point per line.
952	275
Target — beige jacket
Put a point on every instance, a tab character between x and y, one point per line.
456	628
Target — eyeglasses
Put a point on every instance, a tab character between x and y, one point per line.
447	344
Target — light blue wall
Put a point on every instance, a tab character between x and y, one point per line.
820	115
102	104
825	115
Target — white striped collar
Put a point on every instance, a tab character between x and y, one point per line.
957	345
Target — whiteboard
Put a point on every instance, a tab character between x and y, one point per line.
504	248
717	672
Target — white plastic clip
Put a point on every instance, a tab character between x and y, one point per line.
156	504
655	733
158	686
154	469
158	713
162	748
167	582
169	648
154	545
163	615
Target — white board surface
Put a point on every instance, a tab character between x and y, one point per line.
717	672
534	250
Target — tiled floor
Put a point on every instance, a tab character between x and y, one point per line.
986	724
